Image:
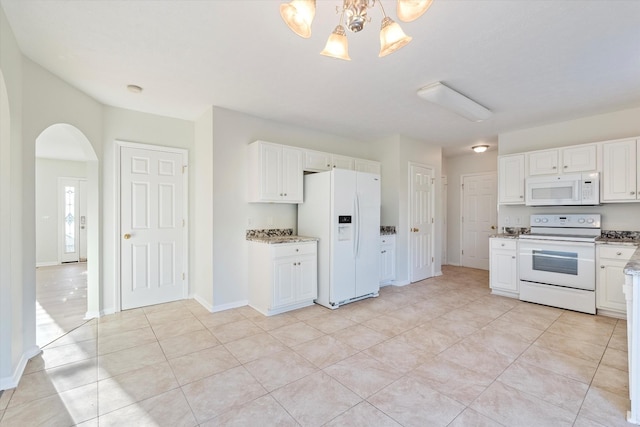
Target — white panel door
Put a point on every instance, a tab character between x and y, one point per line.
478	219
421	222
152	227
69	217
368	234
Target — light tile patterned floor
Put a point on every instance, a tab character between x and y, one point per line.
441	352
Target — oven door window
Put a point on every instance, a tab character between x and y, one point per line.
555	262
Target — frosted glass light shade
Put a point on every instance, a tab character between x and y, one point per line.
410	10
337	45
392	37
298	15
480	148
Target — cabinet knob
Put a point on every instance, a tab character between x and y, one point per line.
522	197
513	257
501	244
602	267
632	193
554	167
280	194
618	253
328	165
297	250
383	252
565	166
285	194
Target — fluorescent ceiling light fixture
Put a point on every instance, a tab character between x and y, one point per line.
480	148
454	101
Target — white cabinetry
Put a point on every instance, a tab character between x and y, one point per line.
275	173
511	179
387	258
620	165
503	273
610	261
316	161
579	158
282	276
368	166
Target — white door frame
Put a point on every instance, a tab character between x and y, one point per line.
118	232
433	212
461	223
445	223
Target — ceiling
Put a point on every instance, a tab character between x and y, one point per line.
530	62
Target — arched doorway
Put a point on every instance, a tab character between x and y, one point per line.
66	176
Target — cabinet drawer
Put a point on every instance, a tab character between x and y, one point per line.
617	252
284	250
503	244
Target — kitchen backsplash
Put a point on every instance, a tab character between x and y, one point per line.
516	230
270	232
614	234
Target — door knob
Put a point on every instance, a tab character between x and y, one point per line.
127	236
493	227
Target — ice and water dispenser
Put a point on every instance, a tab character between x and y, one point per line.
344	227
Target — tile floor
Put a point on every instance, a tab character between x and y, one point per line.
441	352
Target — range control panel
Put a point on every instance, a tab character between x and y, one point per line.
566	221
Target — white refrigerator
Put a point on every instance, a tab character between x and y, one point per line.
342	208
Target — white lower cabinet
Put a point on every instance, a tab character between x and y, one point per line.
282	276
503	273
610	262
387	258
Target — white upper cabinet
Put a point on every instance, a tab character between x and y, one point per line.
275	173
343	162
368	166
580	158
317	161
619	171
511	179
542	162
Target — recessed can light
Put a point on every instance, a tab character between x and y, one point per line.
134	88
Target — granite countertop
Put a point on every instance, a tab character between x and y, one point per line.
504	236
386	230
633	266
272	240
617	241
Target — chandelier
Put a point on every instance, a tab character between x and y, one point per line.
298	15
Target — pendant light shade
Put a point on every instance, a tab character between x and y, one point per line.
392	37
298	15
337	46
410	10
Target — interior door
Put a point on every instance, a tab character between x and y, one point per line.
69	226
152	227
421	222
479	193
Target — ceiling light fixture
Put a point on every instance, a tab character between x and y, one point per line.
134	88
448	98
480	148
299	14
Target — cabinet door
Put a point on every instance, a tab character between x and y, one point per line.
619	165
316	161
368	166
609	293
579	159
342	162
543	162
387	263
511	179
307	280
271	176
292	175
284	292
503	271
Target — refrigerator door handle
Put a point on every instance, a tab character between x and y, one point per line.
356	240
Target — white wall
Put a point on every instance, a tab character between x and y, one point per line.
395	153
132	126
621	124
47	204
454	168
17	302
232	132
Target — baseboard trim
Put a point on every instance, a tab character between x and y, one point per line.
203	303
7	383
229	306
46	264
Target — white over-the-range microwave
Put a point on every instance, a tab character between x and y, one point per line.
563	190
